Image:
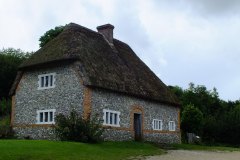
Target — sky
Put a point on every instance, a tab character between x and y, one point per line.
182	41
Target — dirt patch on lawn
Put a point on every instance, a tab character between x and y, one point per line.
196	155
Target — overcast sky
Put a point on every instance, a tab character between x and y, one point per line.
182	41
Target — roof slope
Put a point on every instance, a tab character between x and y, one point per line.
116	67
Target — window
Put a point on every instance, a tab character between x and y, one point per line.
171	125
157	124
111	118
46	116
46	81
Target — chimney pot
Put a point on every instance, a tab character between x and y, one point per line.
107	31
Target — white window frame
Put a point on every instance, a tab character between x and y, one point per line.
44	77
157	124
106	121
39	112
172	126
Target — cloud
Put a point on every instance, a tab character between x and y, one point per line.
182	41
195	49
214	7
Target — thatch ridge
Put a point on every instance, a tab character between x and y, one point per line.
115	68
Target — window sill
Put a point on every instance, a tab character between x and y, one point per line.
157	129
45	123
42	88
109	125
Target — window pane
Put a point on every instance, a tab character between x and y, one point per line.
46	81
42	81
46	117
41	117
111	118
106	118
171	126
115	118
159	126
51	116
51	80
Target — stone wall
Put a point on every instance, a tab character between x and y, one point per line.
67	95
117	135
128	105
35	132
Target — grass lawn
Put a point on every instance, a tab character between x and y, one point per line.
57	150
205	148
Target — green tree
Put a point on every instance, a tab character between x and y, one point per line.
220	119
10	59
50	34
192	119
178	91
233	126
5	107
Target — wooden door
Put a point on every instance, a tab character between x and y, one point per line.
137	126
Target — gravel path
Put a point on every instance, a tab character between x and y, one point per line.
196	155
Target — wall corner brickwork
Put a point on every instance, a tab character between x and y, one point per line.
87	103
13	110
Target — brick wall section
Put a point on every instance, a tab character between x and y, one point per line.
13	110
87	103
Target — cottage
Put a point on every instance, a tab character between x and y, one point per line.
95	74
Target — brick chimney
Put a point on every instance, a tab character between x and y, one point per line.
107	31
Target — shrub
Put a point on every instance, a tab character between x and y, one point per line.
5	107
75	128
5	128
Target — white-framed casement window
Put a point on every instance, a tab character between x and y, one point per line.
46	81
157	124
46	116
171	126
111	118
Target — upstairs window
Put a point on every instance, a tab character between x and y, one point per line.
46	81
157	124
172	126
111	118
46	116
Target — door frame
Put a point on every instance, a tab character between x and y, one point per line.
137	110
137	122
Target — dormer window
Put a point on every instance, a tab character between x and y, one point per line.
46	81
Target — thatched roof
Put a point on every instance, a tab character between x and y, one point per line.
115	68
